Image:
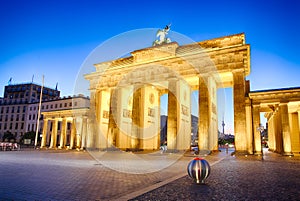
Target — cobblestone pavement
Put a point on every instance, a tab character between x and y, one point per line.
72	175
238	178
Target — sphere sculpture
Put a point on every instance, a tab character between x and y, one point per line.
198	169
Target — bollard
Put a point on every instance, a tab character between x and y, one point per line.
198	169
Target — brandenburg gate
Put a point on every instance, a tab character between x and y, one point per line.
125	95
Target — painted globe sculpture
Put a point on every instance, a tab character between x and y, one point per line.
198	169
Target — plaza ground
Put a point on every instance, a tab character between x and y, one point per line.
73	175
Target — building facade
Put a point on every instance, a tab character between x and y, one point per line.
19	107
20	104
64	122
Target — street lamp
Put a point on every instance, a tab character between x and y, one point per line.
261	129
39	114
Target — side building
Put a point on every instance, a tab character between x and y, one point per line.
64	122
19	110
18	107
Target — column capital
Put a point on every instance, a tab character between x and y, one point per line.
256	106
238	71
283	102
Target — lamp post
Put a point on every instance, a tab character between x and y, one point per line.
39	114
261	129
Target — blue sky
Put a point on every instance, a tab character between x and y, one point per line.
54	37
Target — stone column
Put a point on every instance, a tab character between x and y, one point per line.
84	133
294	127
136	118
271	132
79	121
63	133
278	132
73	133
173	109
44	137
239	111
54	134
298	136
256	132
92	135
249	125
111	136
204	115
286	135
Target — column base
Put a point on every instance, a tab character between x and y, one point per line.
242	153
288	154
258	153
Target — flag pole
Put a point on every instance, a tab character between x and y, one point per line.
39	114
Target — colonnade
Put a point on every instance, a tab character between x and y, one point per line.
281	107
51	132
128	117
283	130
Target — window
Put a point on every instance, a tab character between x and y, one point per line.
0	117
0	126
66	104
34	108
22	125
16	126
24	108
47	107
33	116
6	117
30	117
2	108
75	104
42	107
69	126
7	109
18	111
28	129
12	117
32	127
13	109
60	105
55	105
17	119
10	126
5	126
51	106
23	117
30	108
70	104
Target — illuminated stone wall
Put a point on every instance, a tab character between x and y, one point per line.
140	79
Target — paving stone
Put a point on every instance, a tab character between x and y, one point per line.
70	175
